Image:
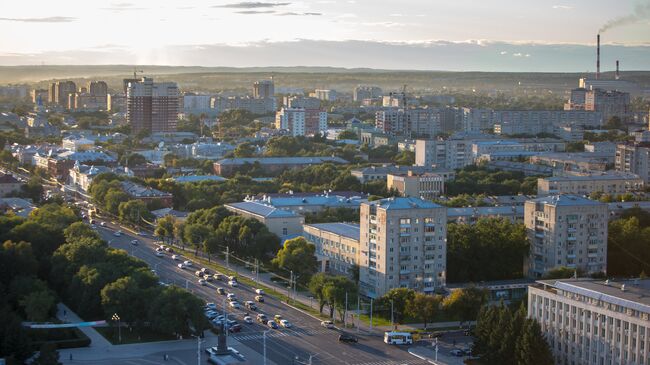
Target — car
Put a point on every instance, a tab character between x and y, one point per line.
286	324
347	338
468	332
158	249
218	276
207	278
259	291
176	257
250	305
211	315
221	291
235	305
437	334
277	317
117	234
232	283
93	226
211	305
134	242
169	249
327	324
235	328
198	273
248	319
259	298
272	324
187	263
230	296
231	299
204	270
160	254
262	318
142	234
457	352
102	224
181	266
233	278
202	282
212	351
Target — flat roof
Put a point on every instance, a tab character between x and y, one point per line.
566	200
349	230
262	209
405	203
280	160
485	211
603	176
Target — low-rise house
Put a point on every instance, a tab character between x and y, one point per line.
306	203
147	195
282	222
18	206
585	184
337	246
425	185
9	185
82	176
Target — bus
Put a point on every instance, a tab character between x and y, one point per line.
398	338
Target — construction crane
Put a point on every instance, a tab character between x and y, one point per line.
404	96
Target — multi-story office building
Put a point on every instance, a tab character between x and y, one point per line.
402	244
337	246
592	321
366	92
301	122
151	106
197	104
566	230
585	184
423	185
60	92
263	89
420	122
40	96
634	158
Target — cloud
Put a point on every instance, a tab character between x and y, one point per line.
254	12
291	13
503	53
347	15
251	5
384	24
124	6
562	7
50	19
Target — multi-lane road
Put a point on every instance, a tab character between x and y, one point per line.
284	345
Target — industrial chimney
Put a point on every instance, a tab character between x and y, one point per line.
598	57
617	74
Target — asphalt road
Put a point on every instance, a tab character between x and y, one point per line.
285	345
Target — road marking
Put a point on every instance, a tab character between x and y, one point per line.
393	362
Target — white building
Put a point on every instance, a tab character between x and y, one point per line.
301	122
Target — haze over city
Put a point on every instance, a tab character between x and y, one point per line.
495	35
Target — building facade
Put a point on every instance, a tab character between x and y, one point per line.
593	322
301	122
403	244
152	107
425	185
263	89
279	221
607	183
337	246
634	158
566	231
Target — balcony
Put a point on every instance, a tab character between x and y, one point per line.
539	234
571	238
404	272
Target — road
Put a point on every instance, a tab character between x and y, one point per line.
284	345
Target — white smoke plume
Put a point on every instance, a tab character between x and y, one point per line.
641	12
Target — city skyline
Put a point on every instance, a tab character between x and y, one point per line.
493	36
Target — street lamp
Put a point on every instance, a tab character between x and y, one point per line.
391	313
119	326
264	344
198	349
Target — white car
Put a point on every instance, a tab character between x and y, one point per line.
202	282
181	266
235	305
248	319
259	291
211	305
176	257
187	263
103	224
160	254
286	324
117	234
327	324
134	242
232	283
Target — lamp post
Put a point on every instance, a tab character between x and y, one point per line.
198	349
119	327
264	344
391	313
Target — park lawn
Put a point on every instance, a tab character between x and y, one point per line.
140	335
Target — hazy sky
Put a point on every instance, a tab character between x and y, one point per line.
171	32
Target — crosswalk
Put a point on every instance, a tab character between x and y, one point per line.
393	362
253	336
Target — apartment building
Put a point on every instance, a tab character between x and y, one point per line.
301	122
337	246
592	321
279	221
610	103
430	152
263	89
566	230
152	107
419	122
366	92
419	185
371	173
634	158
604	182
324	94
403	244
59	93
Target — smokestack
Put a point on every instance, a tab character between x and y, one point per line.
617	74
598	57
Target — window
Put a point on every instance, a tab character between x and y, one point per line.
405	221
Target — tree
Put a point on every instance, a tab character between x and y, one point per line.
316	287
563	272
133	159
298	256
423	307
165	227
628	247
78	230
335	290
176	311
614	122
38	305
125	297
465	303
113	199
134	211
244	150
532	347
399	297
48	355
348	134
196	234
32	190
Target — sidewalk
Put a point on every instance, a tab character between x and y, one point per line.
97	341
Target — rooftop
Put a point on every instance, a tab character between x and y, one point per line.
139	191
596	176
566	200
281	160
198	178
485	211
348	230
262	209
404	203
636	293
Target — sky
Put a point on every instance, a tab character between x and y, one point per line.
485	35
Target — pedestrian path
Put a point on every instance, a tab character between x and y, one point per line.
97	341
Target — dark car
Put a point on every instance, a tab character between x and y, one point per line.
347	338
235	328
221	291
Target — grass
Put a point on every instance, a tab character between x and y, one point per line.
135	336
376	320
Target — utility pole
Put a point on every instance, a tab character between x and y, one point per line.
358	311
391	313
198	350
264	344
289	287
228	257
257	271
345	312
370	314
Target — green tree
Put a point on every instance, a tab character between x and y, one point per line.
77	230
563	273
38	305
133	159
399	297
298	256
113	199
335	290
125	297
196	235
465	303
48	355
244	150
176	311
33	190
165	227
532	347
423	307
316	288
348	134
134	211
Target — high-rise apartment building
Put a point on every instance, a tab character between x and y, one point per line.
151	106
609	103
634	158
593	321
430	152
263	89
366	92
566	231
92	98
301	122
60	93
402	244
324	94
419	122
